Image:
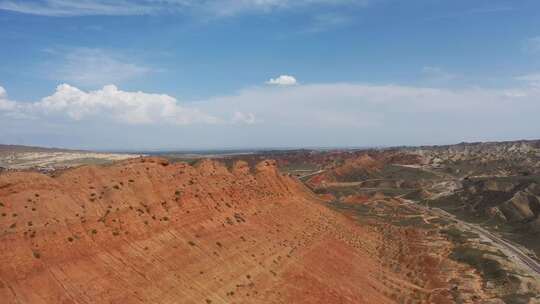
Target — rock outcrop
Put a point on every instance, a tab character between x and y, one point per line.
150	231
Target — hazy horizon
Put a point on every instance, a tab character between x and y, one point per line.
241	150
141	74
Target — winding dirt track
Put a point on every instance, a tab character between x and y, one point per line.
510	250
513	252
311	174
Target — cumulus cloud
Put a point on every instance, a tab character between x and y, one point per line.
283	80
110	104
92	67
310	114
5	103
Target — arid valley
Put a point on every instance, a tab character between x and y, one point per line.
444	224
269	152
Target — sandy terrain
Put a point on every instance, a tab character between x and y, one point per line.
54	160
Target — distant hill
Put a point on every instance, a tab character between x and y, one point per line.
21	148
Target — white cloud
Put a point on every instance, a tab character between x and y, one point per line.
112	105
333	104
283	80
235	7
310	114
138	7
78	8
5	103
364	105
92	67
247	118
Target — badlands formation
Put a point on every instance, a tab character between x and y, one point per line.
148	231
14	157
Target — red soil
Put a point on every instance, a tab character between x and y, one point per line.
351	169
145	231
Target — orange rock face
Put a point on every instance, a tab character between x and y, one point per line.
352	169
150	231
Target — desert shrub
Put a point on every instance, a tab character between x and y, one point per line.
458	236
518	298
489	268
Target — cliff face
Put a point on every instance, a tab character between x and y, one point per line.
146	231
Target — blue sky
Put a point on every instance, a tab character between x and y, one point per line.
184	74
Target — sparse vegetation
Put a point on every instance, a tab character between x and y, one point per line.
491	269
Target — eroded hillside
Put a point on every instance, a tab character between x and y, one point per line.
146	231
484	197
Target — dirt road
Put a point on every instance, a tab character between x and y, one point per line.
511	251
311	174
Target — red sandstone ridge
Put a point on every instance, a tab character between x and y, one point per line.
351	169
150	231
146	231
